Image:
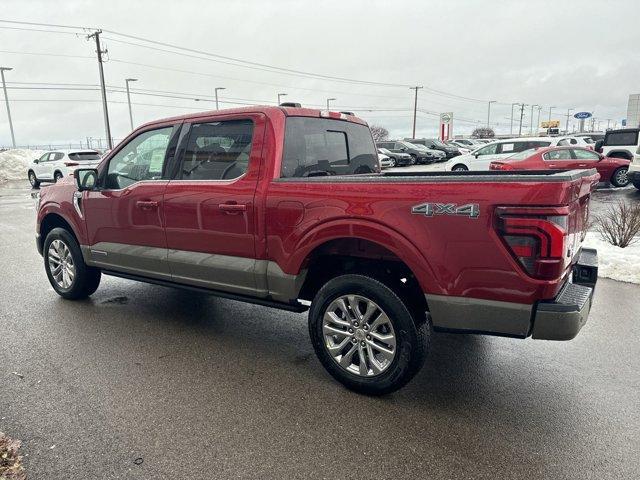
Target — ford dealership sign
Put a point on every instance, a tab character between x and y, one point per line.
582	115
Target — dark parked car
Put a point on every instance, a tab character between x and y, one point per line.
419	153
400	159
435	144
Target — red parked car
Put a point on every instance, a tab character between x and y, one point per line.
285	207
611	170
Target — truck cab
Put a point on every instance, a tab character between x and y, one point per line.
623	143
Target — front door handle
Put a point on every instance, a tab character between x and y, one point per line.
582	165
233	207
552	165
146	204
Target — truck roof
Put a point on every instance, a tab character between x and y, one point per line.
268	111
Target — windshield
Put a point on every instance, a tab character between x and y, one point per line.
415	146
84	156
438	143
588	140
522	155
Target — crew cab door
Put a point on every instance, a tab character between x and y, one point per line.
124	216
210	206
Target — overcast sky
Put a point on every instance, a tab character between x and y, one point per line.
568	54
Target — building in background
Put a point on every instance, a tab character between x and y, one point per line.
633	111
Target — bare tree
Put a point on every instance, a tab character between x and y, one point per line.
379	133
483	132
620	224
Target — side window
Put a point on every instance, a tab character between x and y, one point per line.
573	141
508	148
563	154
315	146
490	149
563	142
44	158
140	159
218	150
619	139
58	156
586	155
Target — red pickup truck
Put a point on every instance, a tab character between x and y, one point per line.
286	207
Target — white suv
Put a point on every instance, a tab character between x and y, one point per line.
481	157
623	143
54	165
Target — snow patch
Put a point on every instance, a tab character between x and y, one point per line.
622	264
15	163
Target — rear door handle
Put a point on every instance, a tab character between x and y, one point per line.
233	207
582	165
146	204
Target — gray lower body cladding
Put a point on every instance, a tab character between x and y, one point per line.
239	275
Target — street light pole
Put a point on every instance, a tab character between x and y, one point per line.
566	128
531	120
538	119
489	113
6	101
127	80
330	100
281	95
511	128
216	91
415	108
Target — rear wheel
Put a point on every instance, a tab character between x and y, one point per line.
57	177
459	168
33	180
69	276
366	336
620	178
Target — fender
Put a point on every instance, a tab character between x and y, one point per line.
374	232
627	154
62	210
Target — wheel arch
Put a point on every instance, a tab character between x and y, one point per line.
53	219
620	154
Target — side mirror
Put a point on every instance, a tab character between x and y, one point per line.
86	178
598	146
36	161
402	149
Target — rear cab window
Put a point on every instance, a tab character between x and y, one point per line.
321	146
620	139
84	156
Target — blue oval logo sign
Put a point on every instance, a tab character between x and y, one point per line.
582	115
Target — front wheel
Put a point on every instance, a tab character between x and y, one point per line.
69	276
459	168
620	178
366	336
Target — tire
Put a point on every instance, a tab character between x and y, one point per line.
33	180
57	177
459	168
620	178
84	279
409	330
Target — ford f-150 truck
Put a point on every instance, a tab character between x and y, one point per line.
287	207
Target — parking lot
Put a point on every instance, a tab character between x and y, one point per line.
143	381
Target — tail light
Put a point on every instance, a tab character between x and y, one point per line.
538	238
500	166
71	164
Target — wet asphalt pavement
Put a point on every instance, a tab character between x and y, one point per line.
142	381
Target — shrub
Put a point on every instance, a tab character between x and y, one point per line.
620	224
10	462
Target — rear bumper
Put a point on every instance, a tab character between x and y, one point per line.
563	317
557	319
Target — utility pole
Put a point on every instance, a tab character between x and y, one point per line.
330	100
608	123
127	80
6	100
216	91
99	51
522	105
538	119
531	120
415	108
566	128
281	95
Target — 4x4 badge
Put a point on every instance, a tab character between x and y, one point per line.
471	210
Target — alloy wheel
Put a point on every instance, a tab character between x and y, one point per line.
621	177
61	264
359	335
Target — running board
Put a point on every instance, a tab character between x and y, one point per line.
291	307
